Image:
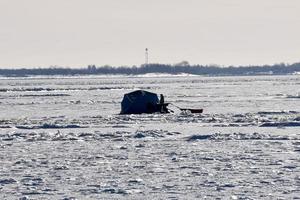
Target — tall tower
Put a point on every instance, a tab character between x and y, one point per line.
146	56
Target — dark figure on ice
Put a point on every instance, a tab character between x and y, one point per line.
162	99
163	105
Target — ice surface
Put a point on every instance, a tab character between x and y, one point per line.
62	138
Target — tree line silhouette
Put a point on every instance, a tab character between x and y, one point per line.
183	67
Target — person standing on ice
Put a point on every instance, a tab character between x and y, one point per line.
163	106
162	99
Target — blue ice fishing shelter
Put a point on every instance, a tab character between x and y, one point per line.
139	102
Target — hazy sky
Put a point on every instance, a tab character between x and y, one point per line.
116	32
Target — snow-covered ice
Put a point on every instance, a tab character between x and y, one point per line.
62	138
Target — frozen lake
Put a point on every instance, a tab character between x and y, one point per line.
62	138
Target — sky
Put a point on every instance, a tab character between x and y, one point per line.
76	33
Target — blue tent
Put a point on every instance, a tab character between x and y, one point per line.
140	101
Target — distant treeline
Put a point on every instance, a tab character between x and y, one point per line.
183	67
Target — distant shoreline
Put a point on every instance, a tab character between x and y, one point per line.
160	69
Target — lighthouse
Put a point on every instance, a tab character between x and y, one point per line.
146	56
